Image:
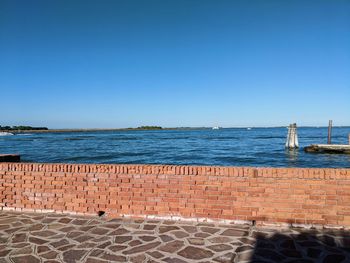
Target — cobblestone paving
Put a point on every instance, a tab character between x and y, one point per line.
63	238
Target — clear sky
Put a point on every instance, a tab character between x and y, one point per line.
73	64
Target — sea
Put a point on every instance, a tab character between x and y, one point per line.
263	147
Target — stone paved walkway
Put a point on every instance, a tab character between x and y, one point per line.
63	238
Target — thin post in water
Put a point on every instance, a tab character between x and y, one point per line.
329	141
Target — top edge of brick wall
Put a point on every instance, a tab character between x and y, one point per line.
148	169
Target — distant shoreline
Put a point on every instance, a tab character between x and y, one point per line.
98	130
140	129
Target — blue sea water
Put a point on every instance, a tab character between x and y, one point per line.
226	147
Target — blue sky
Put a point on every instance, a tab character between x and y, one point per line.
74	64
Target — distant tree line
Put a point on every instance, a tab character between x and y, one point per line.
149	128
21	128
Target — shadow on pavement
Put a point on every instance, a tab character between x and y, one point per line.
296	246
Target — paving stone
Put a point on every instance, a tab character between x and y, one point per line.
116	248
172	246
26	250
111	257
164	229
134	243
85	228
191	252
87	245
99	231
245	256
4	252
20	245
220	247
7	221
42	249
25	259
104	244
180	234
66	229
48	220
67	247
243	248
3	239
122	239
210	230
101	239
96	222
196	241
55	226
174	260
234	232
155	254
95	260
38	241
74	234
3	227
13	230
141	248
138	259
149	227
202	235
20	237
147	238
44	233
119	231
59	243
190	229
36	227
166	238
169	222
111	226
226	258
96	252
79	222
220	240
49	255
206	224
65	220
73	255
82	238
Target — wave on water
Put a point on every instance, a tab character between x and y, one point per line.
270	137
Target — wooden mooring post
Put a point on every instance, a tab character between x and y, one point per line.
329	141
292	137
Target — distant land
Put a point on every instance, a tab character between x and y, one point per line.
30	129
22	128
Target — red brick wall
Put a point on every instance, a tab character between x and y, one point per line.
305	196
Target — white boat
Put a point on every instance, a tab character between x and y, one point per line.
216	128
6	133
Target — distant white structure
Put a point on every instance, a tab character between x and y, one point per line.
216	128
6	133
292	137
